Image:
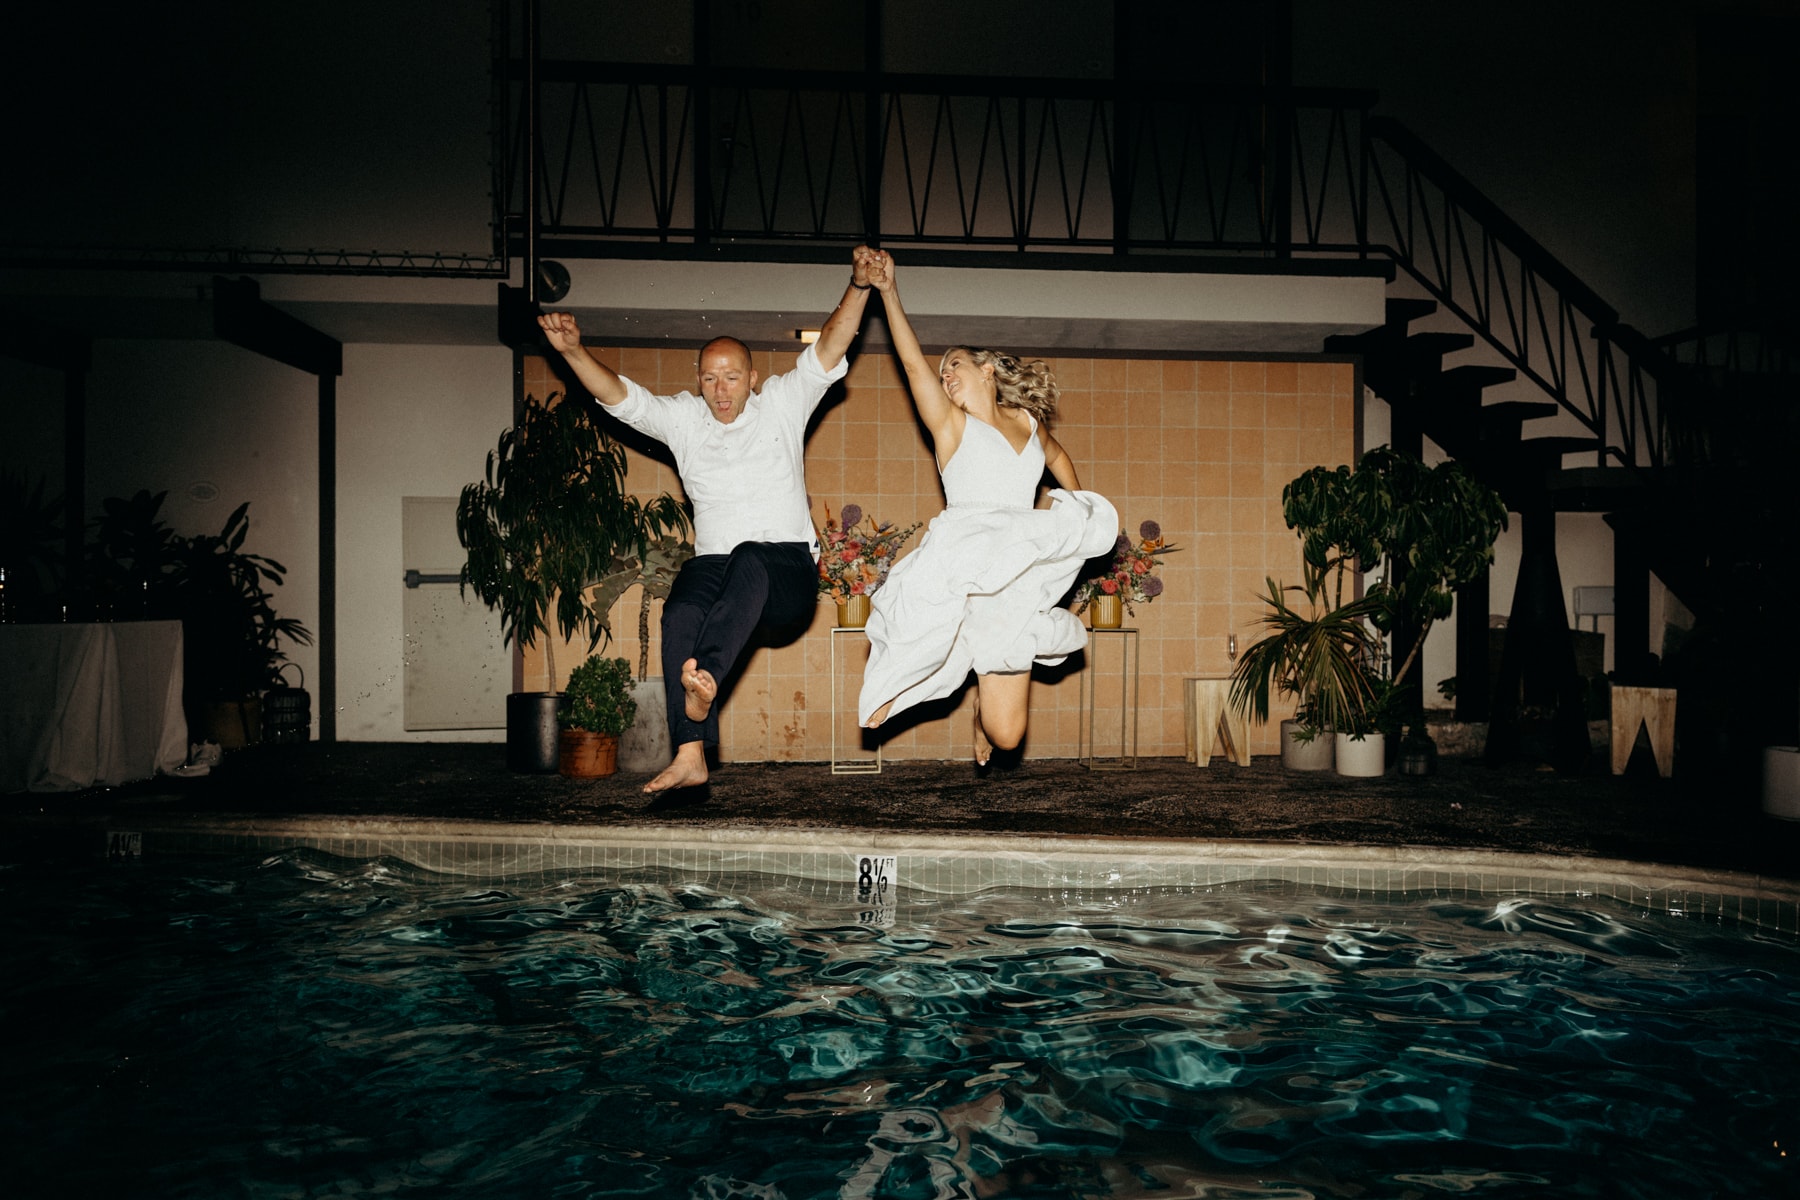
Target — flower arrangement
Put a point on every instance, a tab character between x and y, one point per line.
1131	572
855	552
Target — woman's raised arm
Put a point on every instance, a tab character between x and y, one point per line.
939	415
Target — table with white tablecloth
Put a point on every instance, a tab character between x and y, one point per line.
89	705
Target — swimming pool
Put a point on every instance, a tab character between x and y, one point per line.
302	1024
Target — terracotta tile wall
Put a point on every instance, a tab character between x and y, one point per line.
1202	447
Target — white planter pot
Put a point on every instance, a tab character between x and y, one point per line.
1362	758
645	746
1304	756
1781	782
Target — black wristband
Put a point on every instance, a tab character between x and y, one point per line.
861	287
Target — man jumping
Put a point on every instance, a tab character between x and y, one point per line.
740	452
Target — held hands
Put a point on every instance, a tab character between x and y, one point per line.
560	329
872	267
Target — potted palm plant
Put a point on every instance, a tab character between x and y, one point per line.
596	709
549	520
1317	651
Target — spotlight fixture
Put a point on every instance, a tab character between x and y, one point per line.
809	336
552	281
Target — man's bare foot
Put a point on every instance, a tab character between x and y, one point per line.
700	687
688	769
878	716
984	749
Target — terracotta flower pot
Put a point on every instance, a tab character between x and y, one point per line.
583	754
853	613
1107	612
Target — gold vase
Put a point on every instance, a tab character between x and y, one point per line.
853	613
1108	612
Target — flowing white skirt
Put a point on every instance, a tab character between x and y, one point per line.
979	594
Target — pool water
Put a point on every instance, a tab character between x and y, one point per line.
310	1026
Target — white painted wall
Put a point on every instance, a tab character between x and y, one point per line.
191	417
412	421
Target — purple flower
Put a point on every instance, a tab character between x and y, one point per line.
1152	586
1149	531
1122	545
851	515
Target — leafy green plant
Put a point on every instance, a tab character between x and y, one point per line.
1320	653
1434	528
598	697
133	558
1437	521
224	594
221	593
551	519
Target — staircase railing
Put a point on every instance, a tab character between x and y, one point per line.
1549	325
792	159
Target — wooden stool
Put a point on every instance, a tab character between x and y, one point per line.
1652	708
1206	701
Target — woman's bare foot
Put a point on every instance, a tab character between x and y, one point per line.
700	687
688	769
878	716
984	749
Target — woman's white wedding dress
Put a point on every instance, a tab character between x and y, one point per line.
980	592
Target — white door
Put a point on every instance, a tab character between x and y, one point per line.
457	669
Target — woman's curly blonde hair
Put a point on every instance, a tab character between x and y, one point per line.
1027	385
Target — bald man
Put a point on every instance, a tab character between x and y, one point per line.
740	452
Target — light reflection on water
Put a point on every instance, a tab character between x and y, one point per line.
312	1026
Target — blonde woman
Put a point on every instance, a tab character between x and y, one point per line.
980	592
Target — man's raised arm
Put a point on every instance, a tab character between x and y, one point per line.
841	326
564	336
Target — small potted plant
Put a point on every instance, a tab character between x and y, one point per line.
596	709
1128	577
855	555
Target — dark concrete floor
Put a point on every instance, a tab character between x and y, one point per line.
1696	821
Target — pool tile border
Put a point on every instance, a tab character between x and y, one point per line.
949	865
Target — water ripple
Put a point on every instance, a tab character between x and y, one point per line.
308	1024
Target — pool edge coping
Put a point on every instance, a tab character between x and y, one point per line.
1635	875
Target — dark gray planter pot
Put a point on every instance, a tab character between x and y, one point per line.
531	747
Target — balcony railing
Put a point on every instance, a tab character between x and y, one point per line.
790	160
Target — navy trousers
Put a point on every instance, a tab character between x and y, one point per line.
716	605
